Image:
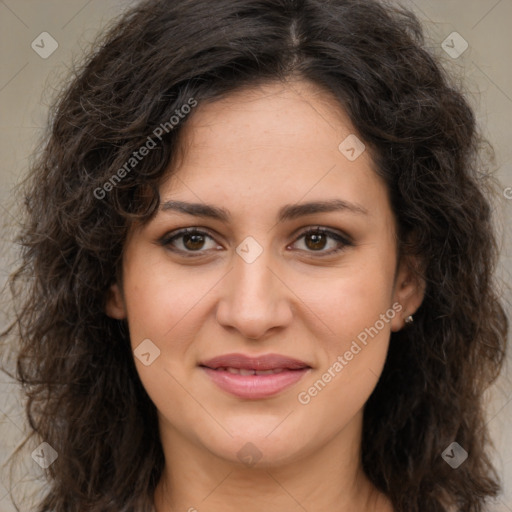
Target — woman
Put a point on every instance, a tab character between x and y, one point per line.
262	262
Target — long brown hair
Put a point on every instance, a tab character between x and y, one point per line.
75	363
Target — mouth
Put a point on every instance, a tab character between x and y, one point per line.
254	377
243	371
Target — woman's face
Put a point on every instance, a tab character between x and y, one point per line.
252	290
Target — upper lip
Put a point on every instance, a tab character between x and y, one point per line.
264	362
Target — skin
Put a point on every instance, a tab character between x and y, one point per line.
252	153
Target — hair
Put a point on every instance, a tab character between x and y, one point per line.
84	396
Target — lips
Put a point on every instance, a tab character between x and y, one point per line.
254	377
261	363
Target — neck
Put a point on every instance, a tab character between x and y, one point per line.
327	479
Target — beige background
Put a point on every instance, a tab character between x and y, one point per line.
27	82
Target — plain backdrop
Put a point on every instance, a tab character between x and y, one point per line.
29	77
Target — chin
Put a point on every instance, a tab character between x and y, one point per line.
260	446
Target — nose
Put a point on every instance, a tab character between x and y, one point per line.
254	298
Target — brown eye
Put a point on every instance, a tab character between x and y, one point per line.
189	241
317	239
193	241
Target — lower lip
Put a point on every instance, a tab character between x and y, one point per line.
255	386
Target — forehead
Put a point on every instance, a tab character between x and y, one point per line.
251	118
274	143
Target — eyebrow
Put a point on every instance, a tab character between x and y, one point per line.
286	213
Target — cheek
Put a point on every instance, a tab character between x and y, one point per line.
352	362
356	313
161	303
350	298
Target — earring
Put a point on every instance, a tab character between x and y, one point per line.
409	319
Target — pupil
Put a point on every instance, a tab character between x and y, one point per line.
318	241
197	241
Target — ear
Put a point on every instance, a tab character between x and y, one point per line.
115	306
409	291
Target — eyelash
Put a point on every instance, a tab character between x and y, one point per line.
168	238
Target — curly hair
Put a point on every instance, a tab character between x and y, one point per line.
84	396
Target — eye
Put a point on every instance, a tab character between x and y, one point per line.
192	242
188	240
316	239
